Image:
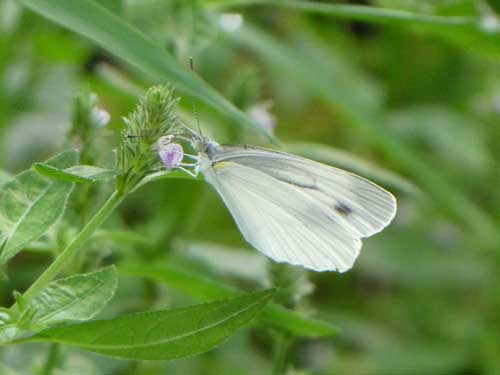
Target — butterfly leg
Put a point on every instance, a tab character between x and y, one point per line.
185	170
194	157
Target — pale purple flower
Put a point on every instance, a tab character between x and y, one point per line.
171	154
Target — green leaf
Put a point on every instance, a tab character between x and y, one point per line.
30	204
471	33
359	12
77	173
107	30
79	297
9	328
160	335
205	288
343	159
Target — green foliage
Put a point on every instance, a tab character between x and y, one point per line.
157	335
403	92
31	204
79	297
206	288
110	32
77	174
359	12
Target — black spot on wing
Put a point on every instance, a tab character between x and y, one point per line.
343	209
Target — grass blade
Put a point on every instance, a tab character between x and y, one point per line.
358	12
93	21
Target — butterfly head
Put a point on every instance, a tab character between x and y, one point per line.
210	147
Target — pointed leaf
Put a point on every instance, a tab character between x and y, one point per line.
77	173
30	204
208	289
79	297
160	335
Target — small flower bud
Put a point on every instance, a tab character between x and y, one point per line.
171	154
100	116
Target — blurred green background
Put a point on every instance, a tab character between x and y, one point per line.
410	100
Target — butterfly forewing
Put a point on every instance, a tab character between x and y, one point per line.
281	221
361	207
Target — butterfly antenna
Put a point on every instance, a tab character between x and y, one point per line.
195	112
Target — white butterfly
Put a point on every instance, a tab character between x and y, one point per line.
290	208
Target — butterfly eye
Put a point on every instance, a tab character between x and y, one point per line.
171	155
211	147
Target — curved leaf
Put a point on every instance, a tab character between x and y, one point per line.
77	173
160	335
208	289
30	204
79	297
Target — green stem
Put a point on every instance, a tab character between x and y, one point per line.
72	249
282	344
52	360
